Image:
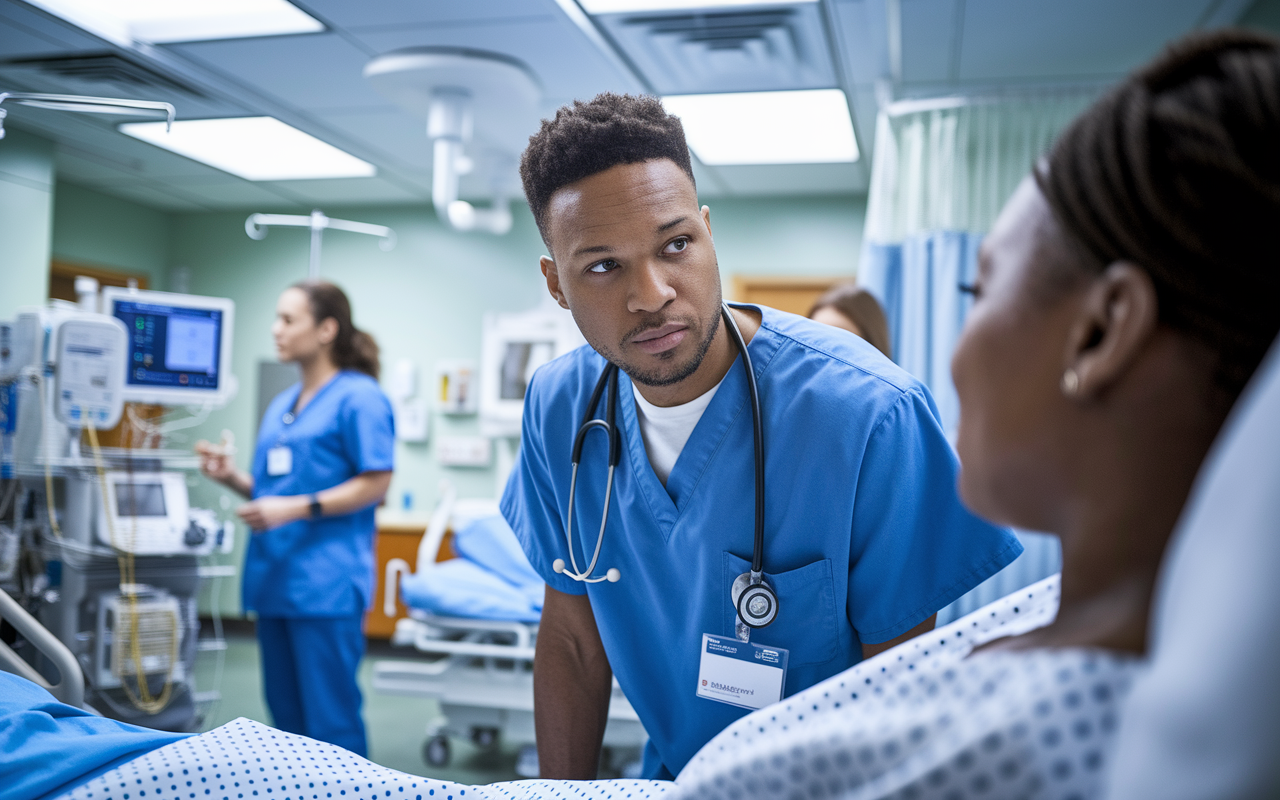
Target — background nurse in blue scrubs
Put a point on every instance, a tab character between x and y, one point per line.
323	461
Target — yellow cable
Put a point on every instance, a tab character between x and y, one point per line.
143	700
48	467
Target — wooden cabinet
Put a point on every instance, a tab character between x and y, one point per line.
396	539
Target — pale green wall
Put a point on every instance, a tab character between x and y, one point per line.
422	301
797	236
104	231
26	218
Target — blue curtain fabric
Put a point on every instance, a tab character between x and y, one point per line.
940	174
918	283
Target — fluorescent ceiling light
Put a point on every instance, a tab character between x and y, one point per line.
629	6
158	21
255	148
803	127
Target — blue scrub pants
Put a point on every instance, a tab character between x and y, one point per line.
309	677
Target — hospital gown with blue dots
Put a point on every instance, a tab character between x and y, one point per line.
922	720
246	760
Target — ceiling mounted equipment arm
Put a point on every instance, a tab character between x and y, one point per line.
468	98
84	105
256	227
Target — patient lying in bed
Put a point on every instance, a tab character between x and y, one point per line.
918	718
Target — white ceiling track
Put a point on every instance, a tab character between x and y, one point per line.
256	226
470	99
85	105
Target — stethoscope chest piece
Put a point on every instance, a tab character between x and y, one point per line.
756	602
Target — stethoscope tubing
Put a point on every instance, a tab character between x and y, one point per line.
609	426
609	378
757	429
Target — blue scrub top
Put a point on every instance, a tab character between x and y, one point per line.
865	537
322	567
47	747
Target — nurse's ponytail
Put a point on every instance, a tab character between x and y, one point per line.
352	348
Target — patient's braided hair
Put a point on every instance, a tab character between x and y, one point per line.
1178	171
587	138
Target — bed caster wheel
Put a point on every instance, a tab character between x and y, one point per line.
484	738
436	751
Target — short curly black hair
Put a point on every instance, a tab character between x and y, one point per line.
587	138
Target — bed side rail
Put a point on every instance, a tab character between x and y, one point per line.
70	688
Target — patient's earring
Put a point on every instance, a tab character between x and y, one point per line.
1070	382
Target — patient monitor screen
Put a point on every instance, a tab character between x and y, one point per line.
140	500
171	346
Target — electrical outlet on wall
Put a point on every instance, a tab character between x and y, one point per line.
464	451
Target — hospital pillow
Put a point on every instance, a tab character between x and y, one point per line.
459	588
490	542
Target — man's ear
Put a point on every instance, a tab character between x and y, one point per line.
1117	319
706	220
553	280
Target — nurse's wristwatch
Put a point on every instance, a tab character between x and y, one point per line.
315	507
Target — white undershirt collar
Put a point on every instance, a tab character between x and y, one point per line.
666	430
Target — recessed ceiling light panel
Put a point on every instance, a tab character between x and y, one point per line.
633	6
160	21
254	148
796	127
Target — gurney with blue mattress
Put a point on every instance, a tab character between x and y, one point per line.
475	617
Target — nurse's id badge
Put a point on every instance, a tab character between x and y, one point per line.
741	673
279	461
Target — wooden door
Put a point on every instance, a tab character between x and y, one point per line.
785	293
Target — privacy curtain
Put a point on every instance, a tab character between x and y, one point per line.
938	180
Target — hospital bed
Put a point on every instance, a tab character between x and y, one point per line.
476	617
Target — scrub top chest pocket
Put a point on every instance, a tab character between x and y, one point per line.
807	625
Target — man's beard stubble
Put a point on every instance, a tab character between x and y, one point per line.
656	379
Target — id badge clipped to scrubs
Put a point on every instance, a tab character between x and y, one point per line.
741	673
279	461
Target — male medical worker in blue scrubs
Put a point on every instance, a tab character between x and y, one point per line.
865	538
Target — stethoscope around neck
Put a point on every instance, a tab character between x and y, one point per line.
755	600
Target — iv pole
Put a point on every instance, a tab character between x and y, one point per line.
256	226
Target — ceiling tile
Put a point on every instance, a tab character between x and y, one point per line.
861	30
320	71
26	32
1049	39
388	13
398	133
928	33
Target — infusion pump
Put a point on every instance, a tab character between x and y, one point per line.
148	514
